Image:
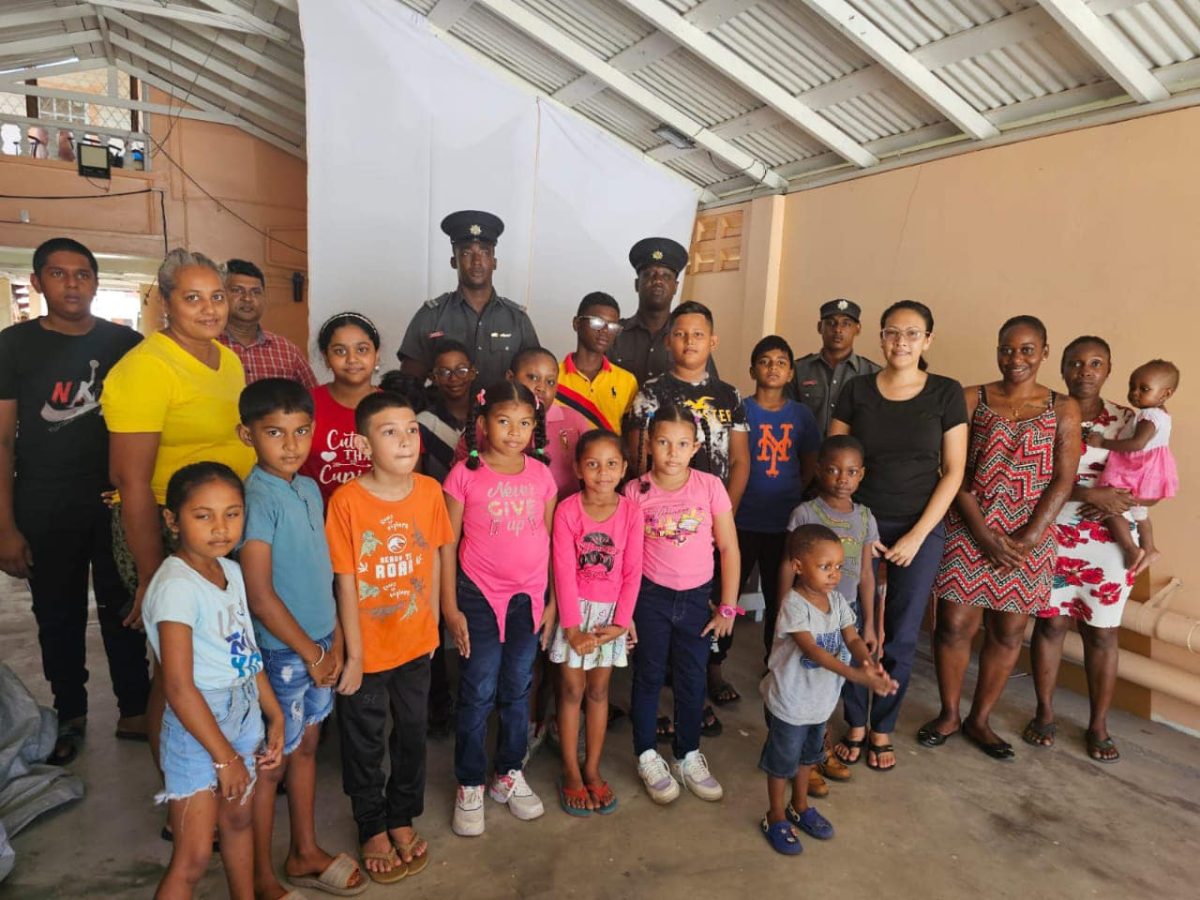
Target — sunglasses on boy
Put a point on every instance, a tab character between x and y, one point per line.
598	323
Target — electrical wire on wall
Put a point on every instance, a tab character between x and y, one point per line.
162	203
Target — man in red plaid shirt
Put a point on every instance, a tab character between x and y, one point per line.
264	354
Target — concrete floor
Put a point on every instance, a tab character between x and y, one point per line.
947	823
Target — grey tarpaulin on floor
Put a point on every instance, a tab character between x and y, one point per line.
28	787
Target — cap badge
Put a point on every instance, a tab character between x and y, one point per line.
657	254
475	230
843	304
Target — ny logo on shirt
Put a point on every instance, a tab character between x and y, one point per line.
774	450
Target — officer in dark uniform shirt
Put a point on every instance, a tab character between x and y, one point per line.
492	328
820	377
641	346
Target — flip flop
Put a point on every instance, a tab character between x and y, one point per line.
398	871
850	744
419	861
929	736
725	694
878	749
1037	734
710	725
334	880
566	793
1095	747
598	792
664	729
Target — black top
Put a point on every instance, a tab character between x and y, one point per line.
62	443
712	398
903	439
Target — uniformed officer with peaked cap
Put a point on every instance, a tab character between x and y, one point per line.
641	346
493	328
819	377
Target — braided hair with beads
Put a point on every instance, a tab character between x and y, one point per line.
494	395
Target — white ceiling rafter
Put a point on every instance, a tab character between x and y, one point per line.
64	40
41	15
1101	43
575	53
743	74
446	12
171	43
191	99
916	77
178	14
251	21
194	79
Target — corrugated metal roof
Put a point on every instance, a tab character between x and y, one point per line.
1160	32
513	49
1008	59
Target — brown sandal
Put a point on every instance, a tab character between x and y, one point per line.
419	860
398	871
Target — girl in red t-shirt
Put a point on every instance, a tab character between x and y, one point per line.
349	341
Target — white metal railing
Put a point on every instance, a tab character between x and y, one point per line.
47	139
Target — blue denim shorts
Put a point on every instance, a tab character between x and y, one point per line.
302	701
186	766
789	747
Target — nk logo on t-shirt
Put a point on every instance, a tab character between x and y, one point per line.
774	450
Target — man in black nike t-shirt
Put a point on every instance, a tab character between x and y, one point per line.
54	525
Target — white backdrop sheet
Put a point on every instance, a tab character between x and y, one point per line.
404	128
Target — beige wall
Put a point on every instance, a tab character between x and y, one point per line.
1095	231
262	184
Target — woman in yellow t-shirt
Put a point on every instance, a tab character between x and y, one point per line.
171	401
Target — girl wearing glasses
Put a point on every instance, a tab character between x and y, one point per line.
913	425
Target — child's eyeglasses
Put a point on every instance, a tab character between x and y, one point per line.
912	335
596	323
444	374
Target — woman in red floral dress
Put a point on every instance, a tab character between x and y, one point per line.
999	561
1091	583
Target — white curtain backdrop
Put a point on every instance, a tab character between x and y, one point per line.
404	128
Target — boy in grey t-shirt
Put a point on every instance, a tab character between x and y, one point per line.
814	642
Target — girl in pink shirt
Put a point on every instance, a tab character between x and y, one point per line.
597	571
501	505
685	513
537	369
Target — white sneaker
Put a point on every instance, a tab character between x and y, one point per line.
468	811
655	775
692	770
513	790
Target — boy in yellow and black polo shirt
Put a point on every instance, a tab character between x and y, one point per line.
587	382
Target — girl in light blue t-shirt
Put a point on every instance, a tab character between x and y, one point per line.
212	738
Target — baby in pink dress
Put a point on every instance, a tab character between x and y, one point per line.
1142	464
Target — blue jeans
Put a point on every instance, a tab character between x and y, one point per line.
495	676
908	589
669	623
304	703
186	766
788	747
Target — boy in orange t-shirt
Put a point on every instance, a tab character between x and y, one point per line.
390	542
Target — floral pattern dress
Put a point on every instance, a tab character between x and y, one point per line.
1091	583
